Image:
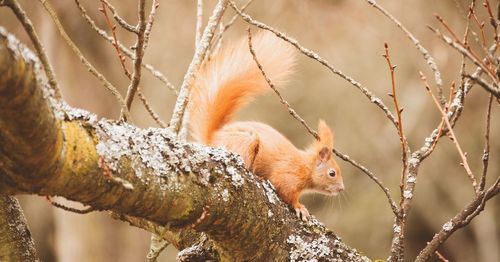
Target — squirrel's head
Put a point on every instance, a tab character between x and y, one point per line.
326	173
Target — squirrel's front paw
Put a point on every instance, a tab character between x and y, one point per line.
301	212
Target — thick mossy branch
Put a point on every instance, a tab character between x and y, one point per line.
49	148
16	243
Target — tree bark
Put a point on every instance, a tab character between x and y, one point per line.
145	175
16	243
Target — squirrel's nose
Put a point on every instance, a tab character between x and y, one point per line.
341	187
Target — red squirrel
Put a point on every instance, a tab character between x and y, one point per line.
230	80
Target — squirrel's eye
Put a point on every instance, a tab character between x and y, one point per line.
331	173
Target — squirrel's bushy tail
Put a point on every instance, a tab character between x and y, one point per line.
231	79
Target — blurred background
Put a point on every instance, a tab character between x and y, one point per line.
349	34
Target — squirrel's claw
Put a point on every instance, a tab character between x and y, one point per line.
302	213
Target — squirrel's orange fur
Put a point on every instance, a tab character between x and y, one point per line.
230	80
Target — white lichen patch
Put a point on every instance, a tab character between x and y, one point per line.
413	162
269	191
225	195
308	251
412	179
407	194
396	229
270	213
448	226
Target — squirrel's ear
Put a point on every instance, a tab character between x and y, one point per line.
324	154
325	134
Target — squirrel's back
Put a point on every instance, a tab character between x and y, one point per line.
231	79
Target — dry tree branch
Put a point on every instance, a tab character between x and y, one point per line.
372	177
70	209
459	47
157	74
428	58
460	220
199	22
441	257
271	85
84	60
489	88
453	138
486	151
375	100
138	54
120	20
150	21
182	99
225	27
115	39
40	51
402	138
115	43
150	110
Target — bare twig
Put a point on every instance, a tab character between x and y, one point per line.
225	27
199	22
70	209
150	110
459	47
441	257
428	58
115	39
271	85
126	51
489	88
377	101
149	25
84	60
486	151
138	55
372	177
464	163
120	20
402	137
460	220
40	51
182	100
122	61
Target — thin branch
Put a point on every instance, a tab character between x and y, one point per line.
84	60
115	39
428	58
150	110
125	50
464	163
464	51
120	20
402	137
486	151
199	22
40	51
149	25
182	99
70	209
377	101
138	55
441	257
462	219
271	85
225	27
372	177
489	88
